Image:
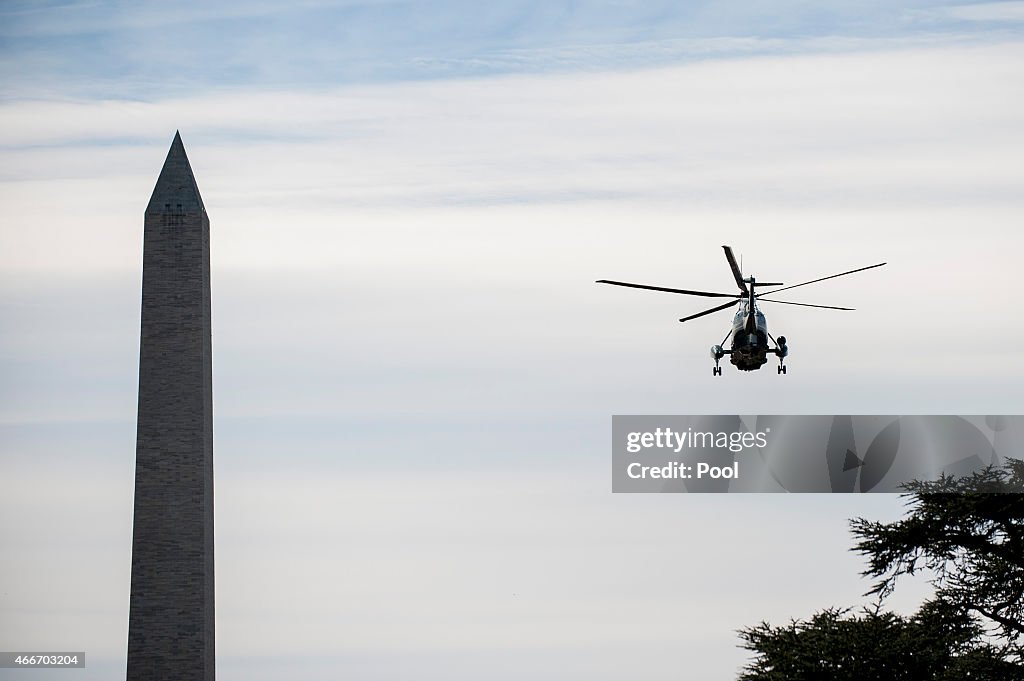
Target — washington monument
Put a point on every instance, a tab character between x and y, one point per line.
170	623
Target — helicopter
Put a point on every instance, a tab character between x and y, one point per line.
750	345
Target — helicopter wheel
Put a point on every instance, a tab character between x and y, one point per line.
716	371
782	368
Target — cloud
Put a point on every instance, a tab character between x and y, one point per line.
850	127
147	50
988	12
432	247
377	568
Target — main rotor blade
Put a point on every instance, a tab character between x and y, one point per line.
815	281
735	269
787	302
705	294
714	309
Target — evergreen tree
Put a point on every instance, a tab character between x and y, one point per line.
968	535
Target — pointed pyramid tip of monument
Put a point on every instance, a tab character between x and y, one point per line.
176	190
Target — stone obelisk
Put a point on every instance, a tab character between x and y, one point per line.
170	624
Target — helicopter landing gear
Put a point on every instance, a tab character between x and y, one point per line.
716	370
781	349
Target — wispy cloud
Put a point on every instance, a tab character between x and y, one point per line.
433	218
988	12
150	50
903	129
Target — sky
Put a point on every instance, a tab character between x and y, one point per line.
414	372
